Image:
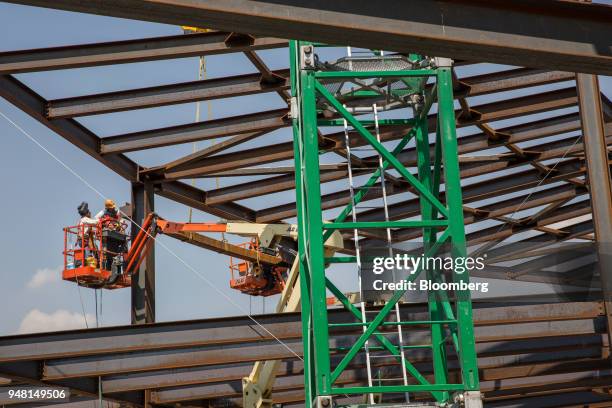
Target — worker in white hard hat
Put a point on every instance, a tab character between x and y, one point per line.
85	235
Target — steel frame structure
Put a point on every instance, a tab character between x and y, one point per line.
528	178
573	36
523	358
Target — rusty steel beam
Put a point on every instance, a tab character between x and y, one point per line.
508	80
568	212
142	291
492	389
210	129
514	250
239	330
211	150
571	36
567	146
472	192
194	197
500	208
507	109
523	341
472	86
599	180
116	363
466	144
495	364
597	156
121	52
208	89
34	105
508	372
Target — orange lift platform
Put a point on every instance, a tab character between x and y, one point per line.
101	255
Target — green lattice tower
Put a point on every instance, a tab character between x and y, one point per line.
441	221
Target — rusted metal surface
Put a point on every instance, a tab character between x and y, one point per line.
572	36
120	52
208	89
210	129
600	182
524	350
530	355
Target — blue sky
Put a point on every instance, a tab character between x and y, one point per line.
40	197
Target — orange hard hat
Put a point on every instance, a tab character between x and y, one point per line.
109	203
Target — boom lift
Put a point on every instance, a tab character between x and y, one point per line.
97	256
266	265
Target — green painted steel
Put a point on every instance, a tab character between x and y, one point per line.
375	74
384	224
406	323
371	182
367	122
396	389
304	276
441	221
454	201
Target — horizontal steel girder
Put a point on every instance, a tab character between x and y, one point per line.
207	89
507	109
570	36
121	52
210	129
178	360
34	105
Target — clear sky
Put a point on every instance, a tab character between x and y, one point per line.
39	197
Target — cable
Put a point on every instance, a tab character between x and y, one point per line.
81	298
181	260
96	302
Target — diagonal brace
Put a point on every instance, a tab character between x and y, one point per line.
371	181
382	150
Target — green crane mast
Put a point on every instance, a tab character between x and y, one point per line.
330	94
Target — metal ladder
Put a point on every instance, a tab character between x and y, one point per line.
364	312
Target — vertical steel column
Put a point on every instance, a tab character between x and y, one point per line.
452	181
314	237
600	185
298	151
429	238
143	283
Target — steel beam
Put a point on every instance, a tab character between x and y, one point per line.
121	52
508	80
34	105
567	146
210	129
238	330
193	197
572	36
507	109
600	183
528	340
208	89
143	282
473	192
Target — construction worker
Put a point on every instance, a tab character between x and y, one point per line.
110	210
85	236
86	221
